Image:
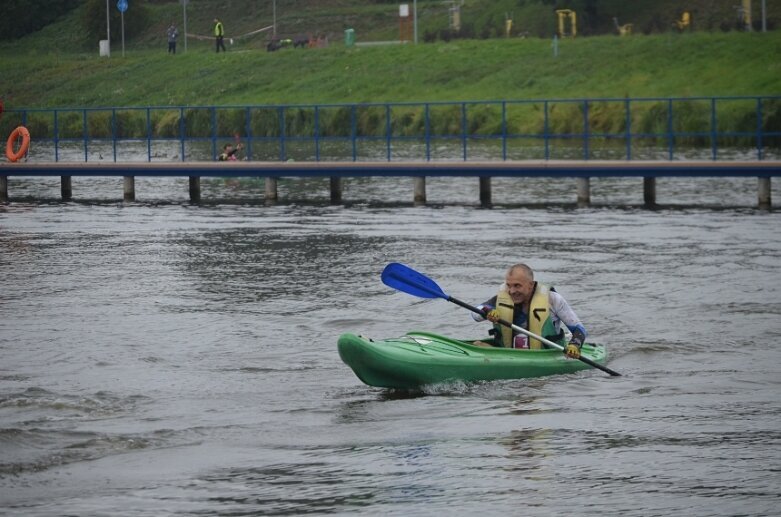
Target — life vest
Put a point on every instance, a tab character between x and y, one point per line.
539	320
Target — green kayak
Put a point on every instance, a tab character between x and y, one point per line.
421	358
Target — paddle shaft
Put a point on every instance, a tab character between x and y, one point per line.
533	335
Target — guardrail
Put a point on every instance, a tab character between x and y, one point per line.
715	128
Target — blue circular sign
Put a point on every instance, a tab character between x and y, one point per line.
122	6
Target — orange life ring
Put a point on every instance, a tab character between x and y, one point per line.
20	131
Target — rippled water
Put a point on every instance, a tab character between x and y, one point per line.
162	358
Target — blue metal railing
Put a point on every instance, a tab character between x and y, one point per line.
626	129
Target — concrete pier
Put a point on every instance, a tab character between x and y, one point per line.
336	190
195	189
270	195
419	196
129	188
584	192
763	192
485	191
66	188
649	192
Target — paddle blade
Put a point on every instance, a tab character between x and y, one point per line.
406	279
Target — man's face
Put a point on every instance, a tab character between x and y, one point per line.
519	285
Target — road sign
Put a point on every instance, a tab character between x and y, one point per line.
122	6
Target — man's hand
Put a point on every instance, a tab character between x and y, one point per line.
490	314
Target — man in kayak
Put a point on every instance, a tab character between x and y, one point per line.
519	297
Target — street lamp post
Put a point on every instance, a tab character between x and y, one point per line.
108	30
415	20
184	8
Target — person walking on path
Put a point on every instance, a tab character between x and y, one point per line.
219	34
172	34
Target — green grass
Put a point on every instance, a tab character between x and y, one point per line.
700	64
50	69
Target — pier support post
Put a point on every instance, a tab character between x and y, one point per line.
271	195
195	189
485	191
584	192
763	193
420	191
336	190
649	192
66	188
3	189
130	188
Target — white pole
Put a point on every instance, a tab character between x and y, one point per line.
184	8
108	30
122	15
415	20
764	17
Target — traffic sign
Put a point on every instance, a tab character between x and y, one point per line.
122	6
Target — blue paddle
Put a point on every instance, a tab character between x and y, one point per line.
407	280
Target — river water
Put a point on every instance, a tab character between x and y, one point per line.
162	358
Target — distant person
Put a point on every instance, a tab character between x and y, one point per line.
172	34
219	34
228	153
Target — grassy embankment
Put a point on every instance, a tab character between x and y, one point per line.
668	65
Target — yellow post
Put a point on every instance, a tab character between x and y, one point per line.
563	15
747	14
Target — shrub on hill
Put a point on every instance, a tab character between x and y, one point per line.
22	17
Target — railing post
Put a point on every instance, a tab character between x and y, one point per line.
248	131
56	136
182	127
388	130
760	150
317	133
148	135
463	130
84	132
585	131
215	146
428	132
714	134
670	137
628	131
504	130
114	132
282	131
354	131
547	132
